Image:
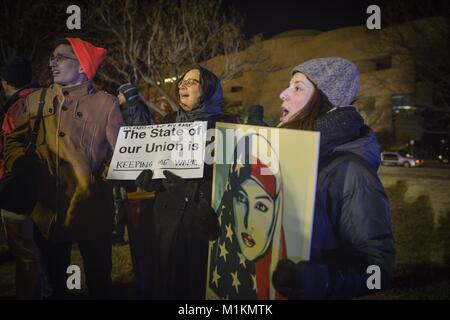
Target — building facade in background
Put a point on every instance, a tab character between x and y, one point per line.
391	93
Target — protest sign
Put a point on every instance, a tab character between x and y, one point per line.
178	147
264	201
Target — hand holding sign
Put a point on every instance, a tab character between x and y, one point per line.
144	180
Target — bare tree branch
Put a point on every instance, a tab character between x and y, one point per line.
152	41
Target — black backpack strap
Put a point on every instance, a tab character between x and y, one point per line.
34	134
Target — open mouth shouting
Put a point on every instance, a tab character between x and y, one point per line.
284	114
248	239
55	72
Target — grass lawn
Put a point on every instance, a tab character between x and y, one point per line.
422	268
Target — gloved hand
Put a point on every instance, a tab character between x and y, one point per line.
175	184
304	280
178	188
284	279
144	180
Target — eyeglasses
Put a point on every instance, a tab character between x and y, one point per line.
59	58
188	82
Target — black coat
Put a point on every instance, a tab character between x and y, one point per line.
182	223
136	113
352	221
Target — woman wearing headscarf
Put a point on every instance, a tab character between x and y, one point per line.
251	240
182	220
352	236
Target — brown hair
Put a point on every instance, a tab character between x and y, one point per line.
62	41
317	106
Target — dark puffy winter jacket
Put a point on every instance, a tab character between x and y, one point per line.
352	221
136	113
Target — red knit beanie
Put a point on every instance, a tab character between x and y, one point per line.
89	56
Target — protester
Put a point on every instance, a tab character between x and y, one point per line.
16	79
78	127
183	220
135	113
352	221
256	116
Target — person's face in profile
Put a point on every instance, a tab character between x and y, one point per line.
254	217
190	90
66	69
295	97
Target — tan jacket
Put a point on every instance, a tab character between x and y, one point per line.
78	128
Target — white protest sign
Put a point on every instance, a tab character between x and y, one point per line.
177	147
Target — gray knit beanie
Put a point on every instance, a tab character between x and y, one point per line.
336	77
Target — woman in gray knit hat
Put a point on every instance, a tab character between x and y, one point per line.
352	249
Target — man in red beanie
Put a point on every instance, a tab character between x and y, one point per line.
79	127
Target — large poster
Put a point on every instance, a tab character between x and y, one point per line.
263	194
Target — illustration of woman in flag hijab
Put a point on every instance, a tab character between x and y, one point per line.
251	241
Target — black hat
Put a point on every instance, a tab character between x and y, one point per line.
17	71
256	115
129	91
256	111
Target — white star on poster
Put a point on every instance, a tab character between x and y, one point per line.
223	251
220	220
216	277
236	283
241	259
255	287
229	232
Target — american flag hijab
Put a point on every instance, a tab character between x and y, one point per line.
250	215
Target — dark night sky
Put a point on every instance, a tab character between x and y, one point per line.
275	16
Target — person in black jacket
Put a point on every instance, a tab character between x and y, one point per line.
135	113
183	220
255	116
352	234
134	110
